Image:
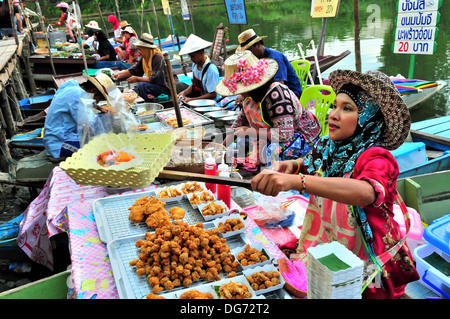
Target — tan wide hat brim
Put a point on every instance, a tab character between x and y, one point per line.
395	112
98	85
248	45
271	70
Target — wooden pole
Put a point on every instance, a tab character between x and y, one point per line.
41	22
11	127
192	17
357	42
173	90
157	27
26	62
14	106
118	10
101	17
13	24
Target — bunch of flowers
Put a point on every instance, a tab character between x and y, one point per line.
247	75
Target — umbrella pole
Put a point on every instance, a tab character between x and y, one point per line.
317	62
41	22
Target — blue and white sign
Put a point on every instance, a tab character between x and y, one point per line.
418	19
405	6
415	47
236	11
416	34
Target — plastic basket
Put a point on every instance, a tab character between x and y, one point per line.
153	149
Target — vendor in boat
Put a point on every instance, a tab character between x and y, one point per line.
351	179
249	40
64	19
271	113
107	57
61	137
88	39
205	73
127	50
149	71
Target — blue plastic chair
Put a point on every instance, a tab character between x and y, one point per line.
302	68
323	97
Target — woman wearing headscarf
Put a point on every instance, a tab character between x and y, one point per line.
116	27
270	110
149	71
352	177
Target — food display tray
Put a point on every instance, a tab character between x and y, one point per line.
111	215
195	117
129	284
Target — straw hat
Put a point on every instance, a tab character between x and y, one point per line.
244	72
123	24
380	87
93	25
128	29
62	5
146	41
103	83
247	39
194	44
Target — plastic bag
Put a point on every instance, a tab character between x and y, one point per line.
271	212
118	119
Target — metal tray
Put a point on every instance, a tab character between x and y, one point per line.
170	113
111	215
129	284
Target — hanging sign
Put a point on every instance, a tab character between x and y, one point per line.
416	29
166	7
325	8
184	10
236	11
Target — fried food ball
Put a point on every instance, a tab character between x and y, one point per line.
195	294
177	213
153	296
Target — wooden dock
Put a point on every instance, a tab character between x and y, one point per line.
435	133
13	58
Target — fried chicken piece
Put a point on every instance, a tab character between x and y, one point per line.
153	296
191	188
158	219
177	213
195	294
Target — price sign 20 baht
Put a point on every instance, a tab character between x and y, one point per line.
416	26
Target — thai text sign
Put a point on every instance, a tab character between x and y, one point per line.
324	8
236	11
416	29
166	7
184	10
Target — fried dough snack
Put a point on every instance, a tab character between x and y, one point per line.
191	188
213	209
195	294
234	290
177	213
174	122
169	192
179	254
149	209
230	225
202	198
251	256
263	280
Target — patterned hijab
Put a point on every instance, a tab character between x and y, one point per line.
336	158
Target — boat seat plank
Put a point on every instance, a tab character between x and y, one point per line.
431	122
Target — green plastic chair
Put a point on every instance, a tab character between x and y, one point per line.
302	68
323	96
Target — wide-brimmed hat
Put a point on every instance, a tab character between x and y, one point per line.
128	29
244	72
247	39
124	24
103	83
194	44
62	5
380	87
146	41
93	25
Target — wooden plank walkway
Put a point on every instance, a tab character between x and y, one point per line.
434	133
8	48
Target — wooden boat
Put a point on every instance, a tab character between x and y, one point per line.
31	140
435	133
413	99
441	163
35	104
53	287
327	61
428	194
